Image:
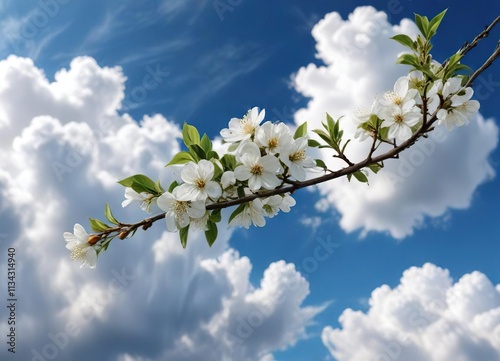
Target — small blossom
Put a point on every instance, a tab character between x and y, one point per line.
361	116
401	95
242	129
400	120
82	246
179	213
251	214
132	196
270	205
272	137
458	116
295	157
287	202
259	171
198	184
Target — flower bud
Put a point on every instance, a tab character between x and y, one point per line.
123	235
93	239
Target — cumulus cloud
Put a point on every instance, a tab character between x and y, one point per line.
437	174
63	146
426	317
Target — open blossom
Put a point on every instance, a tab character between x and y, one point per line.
133	196
259	171
179	213
198	184
252	213
272	205
295	157
401	95
81	249
361	116
273	137
242	129
400	120
287	202
458	109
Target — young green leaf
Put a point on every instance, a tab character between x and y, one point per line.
313	143
408	59
181	158
405	40
190	135
211	233
237	211
140	183
216	215
375	167
197	152
419	20
97	225
172	186
228	161
434	23
301	131
360	176
109	214
321	164
206	144
183	234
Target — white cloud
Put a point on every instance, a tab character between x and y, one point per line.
437	174
426	317
63	147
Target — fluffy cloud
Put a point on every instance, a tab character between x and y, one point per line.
426	317
439	173
63	146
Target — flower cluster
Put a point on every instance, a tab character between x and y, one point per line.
415	98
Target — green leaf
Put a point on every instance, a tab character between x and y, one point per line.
172	186
159	188
190	135
97	225
313	143
211	233
300	131
216	215
404	40
330	125
408	59
345	145
212	155
375	167
321	164
228	162
206	144
233	147
434	23
419	20
197	152
237	211
109	215
181	158
360	176
140	183
183	234
241	192
324	136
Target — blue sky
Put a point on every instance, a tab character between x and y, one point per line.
82	96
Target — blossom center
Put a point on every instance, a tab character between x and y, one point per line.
199	183
180	207
272	143
394	98
78	252
246	126
398	118
297	156
257	169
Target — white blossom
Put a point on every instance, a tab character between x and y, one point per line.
458	116
251	214
198	184
259	171
179	213
272	137
79	246
228	179
132	196
400	120
294	156
287	202
401	95
242	129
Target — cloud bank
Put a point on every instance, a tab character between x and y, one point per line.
426	317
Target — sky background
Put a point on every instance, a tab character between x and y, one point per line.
94	91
